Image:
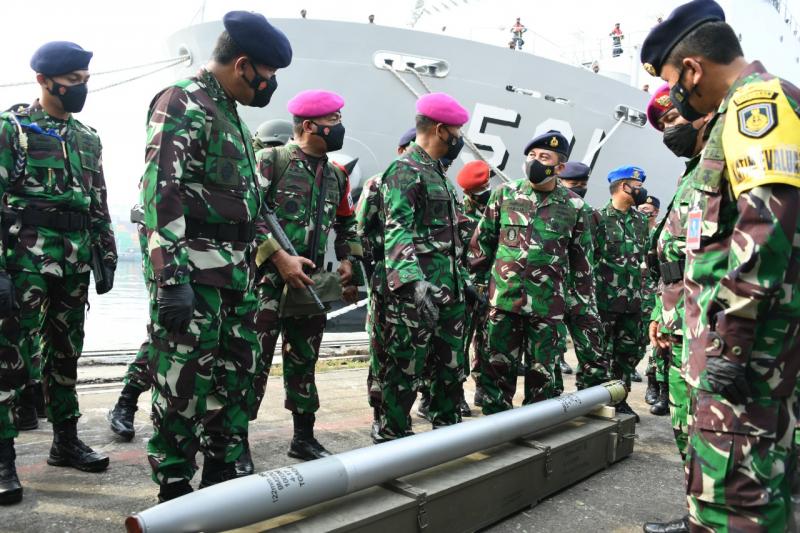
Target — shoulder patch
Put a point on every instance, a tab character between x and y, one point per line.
756	120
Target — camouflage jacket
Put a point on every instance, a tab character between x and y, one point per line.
470	213
671	247
649	283
621	245
63	172
293	190
420	237
200	172
743	252
369	227
534	247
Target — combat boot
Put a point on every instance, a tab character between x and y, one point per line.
681	525
625	409
651	394
304	446
463	406
10	487
244	464
121	417
216	471
374	432
27	419
424	409
38	399
661	407
565	368
636	376
69	450
170	491
478	400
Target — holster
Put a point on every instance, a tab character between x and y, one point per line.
297	302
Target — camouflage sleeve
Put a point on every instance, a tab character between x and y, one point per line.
267	244
175	140
655	316
102	230
762	271
347	242
483	245
400	192
6	170
580	277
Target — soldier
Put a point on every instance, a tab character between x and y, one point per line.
272	133
310	196
621	244
575	177
532	246
55	229
742	322
201	197
684	139
424	304
473	178
370	230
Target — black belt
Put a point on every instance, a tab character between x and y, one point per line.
243	232
57	220
671	271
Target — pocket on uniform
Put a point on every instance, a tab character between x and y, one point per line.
437	208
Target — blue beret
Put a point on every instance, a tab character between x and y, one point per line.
627	172
665	36
652	200
60	57
552	140
260	40
407	137
575	171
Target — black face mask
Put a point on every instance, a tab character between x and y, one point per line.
264	89
454	146
538	172
681	140
482	198
679	95
332	135
73	96
639	195
580	190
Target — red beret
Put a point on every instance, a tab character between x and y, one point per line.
473	175
443	108
315	103
659	104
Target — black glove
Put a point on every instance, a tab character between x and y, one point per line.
175	307
728	379
475	299
8	301
107	283
425	295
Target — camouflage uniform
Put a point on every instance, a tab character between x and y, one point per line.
533	247
669	309
138	373
472	212
422	243
60	201
743	304
621	245
201	197
294	191
656	362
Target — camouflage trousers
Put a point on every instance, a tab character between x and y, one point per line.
478	344
200	382
623	336
301	339
558	378
658	363
591	369
509	338
376	324
738	481
138	372
679	397
408	350
52	310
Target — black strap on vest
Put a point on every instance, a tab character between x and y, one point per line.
243	232
57	220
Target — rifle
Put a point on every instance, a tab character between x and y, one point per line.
280	236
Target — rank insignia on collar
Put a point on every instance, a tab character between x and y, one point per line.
554	142
649	69
756	120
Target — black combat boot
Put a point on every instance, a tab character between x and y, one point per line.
424	409
463	406
624	408
651	394
478	400
38	399
636	376
170	491
304	446
681	525
27	419
10	487
244	464
216	471
661	407
565	368
69	450
121	417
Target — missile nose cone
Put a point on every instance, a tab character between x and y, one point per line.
133	524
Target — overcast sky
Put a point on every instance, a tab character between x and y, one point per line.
130	33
